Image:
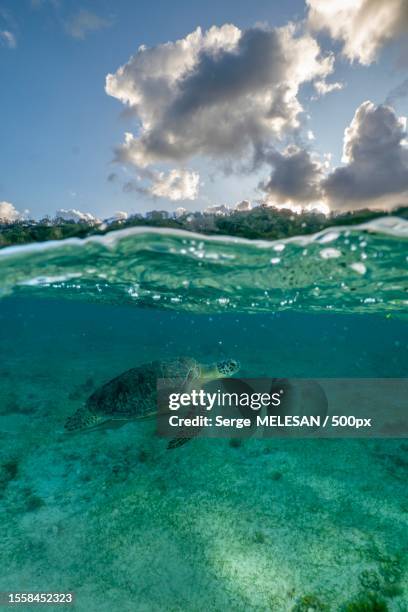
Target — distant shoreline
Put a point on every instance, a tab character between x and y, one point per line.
259	223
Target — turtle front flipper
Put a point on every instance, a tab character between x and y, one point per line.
82	419
187	433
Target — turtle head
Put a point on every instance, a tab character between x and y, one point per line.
220	369
228	367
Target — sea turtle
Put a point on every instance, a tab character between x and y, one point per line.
133	394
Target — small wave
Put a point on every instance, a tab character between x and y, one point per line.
344	269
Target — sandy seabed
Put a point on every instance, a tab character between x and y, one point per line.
285	525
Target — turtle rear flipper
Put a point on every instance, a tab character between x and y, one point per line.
82	419
176	442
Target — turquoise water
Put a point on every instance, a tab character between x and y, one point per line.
360	269
285	525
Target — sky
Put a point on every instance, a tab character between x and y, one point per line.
132	106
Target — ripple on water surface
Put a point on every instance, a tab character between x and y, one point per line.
344	269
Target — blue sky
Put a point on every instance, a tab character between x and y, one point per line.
59	127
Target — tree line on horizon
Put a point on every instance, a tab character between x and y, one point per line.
259	223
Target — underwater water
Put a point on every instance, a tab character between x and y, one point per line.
111	514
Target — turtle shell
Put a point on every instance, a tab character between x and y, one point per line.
133	394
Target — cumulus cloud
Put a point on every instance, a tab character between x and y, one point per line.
374	174
220	93
180	212
85	21
376	161
176	185
8	39
364	26
119	215
296	177
76	215
219	210
8	213
243	206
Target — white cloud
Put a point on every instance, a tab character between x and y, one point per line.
8	213
76	215
85	21
180	212
219	210
120	215
322	87
376	161
364	26
8	39
175	185
374	174
221	93
243	206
